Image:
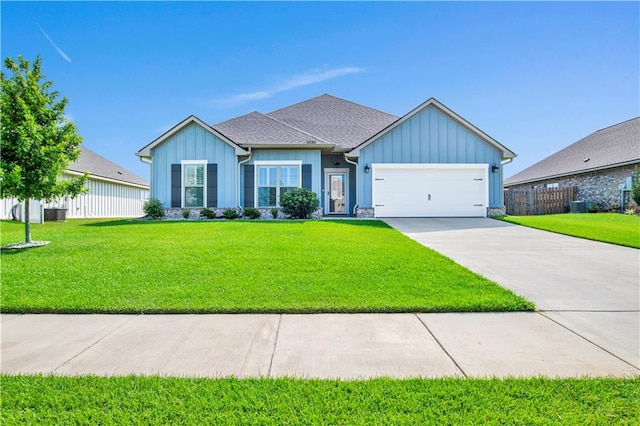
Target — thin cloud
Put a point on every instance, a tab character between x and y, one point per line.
305	79
64	55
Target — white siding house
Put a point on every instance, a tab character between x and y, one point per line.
112	192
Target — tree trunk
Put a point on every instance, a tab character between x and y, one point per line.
27	221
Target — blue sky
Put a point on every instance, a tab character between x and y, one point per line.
535	76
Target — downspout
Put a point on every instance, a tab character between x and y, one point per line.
240	163
355	206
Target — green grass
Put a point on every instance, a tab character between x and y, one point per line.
611	228
50	400
236	266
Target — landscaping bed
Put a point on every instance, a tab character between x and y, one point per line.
611	228
154	400
236	266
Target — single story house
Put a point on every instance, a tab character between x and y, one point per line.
600	165
358	160
112	192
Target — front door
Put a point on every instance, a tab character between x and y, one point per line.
336	192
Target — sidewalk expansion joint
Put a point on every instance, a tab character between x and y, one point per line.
96	342
275	345
441	347
590	341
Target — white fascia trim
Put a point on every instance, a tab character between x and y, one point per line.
506	152
105	179
146	150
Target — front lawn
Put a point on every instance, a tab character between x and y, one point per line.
612	228
153	400
236	266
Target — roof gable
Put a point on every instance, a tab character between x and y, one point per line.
146	151
98	166
609	147
432	102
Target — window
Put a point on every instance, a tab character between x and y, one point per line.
193	184
273	180
551	185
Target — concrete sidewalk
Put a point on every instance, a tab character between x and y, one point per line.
346	346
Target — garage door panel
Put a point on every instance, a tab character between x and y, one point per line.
430	191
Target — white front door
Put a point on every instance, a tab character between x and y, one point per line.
336	189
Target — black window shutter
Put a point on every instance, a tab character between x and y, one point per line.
249	184
306	176
212	185
176	185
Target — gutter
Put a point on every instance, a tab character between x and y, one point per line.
240	163
355	206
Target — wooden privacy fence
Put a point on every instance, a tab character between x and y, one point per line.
534	201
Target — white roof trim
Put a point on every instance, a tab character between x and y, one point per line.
146	151
106	179
506	153
573	173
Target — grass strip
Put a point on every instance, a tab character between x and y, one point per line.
611	228
50	400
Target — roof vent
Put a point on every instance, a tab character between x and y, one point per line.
586	159
119	172
311	142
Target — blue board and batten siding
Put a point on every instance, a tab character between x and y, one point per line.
194	142
430	136
307	156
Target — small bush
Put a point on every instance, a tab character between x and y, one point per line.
208	213
153	208
186	213
635	188
593	208
274	213
230	214
299	203
252	213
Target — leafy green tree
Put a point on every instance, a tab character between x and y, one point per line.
635	188
37	141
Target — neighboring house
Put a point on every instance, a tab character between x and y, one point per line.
113	192
358	160
600	165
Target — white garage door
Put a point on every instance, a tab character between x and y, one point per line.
430	190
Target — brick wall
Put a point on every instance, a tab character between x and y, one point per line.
599	187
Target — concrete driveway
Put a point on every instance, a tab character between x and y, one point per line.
589	287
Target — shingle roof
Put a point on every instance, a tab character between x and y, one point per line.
259	129
99	166
608	147
334	120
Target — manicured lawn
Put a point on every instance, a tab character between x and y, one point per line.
612	228
236	266
152	400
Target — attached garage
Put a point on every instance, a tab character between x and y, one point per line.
430	190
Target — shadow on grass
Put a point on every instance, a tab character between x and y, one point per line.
179	222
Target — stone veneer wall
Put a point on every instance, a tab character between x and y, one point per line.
599	187
176	213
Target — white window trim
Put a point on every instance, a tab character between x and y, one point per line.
259	163
182	186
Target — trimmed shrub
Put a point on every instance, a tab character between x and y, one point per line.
274	213
252	213
153	208
635	188
208	213
299	203
230	214
186	213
